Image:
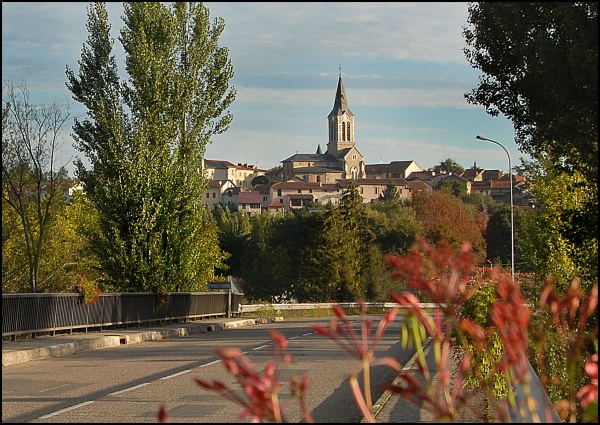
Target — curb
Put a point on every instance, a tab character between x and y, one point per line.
10	358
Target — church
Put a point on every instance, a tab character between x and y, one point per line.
341	160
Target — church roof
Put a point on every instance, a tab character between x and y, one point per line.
304	157
340	104
316	169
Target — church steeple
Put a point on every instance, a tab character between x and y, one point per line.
341	122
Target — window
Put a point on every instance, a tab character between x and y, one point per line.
264	199
348	130
343	132
207	195
214	195
353	156
296	202
278	192
299	190
376	189
318	179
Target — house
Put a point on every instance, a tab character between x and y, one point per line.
219	169
214	194
370	189
393	170
295	194
244	174
274	175
473	174
249	202
264	192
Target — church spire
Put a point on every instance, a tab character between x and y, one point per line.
340	104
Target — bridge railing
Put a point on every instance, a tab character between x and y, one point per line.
52	312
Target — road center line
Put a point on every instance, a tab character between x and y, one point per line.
58	412
135	387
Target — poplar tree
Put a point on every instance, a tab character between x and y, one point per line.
144	139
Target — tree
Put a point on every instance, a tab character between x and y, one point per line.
31	140
453	187
260	180
390	193
446	219
448	166
336	263
540	69
540	66
560	242
145	138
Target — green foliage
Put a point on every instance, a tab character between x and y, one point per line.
390	193
453	187
449	166
484	374
560	240
335	265
260	180
145	139
394	225
540	70
553	358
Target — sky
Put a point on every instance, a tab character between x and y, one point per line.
402	64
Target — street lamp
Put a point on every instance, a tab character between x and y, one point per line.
512	221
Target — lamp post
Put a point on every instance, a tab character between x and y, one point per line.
512	222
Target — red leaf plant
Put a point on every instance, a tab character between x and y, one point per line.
260	389
447	277
362	347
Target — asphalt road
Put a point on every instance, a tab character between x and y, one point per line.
129	383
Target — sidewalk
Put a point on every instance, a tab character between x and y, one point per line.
24	350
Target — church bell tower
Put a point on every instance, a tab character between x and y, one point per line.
341	122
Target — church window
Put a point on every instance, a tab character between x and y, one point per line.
348	130
343	132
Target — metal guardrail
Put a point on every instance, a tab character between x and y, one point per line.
51	312
252	308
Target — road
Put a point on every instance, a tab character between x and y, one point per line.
129	383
